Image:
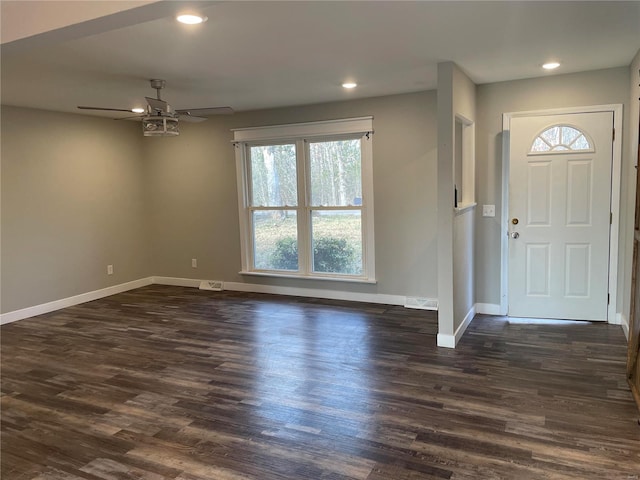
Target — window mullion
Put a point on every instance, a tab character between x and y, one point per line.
368	253
246	233
304	221
249	246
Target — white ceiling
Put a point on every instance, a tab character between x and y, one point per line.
253	55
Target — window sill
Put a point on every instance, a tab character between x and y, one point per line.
459	210
309	277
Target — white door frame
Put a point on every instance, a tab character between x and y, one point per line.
616	173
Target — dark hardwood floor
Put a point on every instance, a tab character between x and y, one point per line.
176	383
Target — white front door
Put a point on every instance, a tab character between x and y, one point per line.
559	215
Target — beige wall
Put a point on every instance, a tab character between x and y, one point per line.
463	280
80	192
72	202
582	89
456	97
194	208
464	104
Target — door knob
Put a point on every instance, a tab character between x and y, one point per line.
515	234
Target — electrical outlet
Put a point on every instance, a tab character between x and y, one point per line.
194	262
109	269
488	210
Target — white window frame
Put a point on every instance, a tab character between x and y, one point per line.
468	174
301	134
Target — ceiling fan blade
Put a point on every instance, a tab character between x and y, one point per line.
206	111
82	107
132	117
187	117
157	105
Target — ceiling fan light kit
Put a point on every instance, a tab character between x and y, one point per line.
191	18
157	126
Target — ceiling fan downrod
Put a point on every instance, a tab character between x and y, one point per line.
158	85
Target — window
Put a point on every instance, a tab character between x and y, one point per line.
561	139
306	200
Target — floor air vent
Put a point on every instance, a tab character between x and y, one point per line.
215	285
421	303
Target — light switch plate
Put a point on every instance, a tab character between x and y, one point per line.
488	210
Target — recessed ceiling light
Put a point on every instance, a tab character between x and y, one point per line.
551	65
191	19
138	110
349	85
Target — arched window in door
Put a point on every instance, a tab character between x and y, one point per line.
561	139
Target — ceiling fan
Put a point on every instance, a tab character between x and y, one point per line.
159	119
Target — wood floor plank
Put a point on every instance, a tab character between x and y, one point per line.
173	383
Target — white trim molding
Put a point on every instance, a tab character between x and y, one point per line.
446	341
450	341
71	301
360	125
345	279
623	321
177	282
378	298
459	210
317	293
488	309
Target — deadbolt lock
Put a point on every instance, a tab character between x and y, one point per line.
514	221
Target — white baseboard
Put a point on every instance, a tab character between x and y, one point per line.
624	322
292	291
379	298
177	282
447	341
317	293
465	323
615	320
450	341
488	308
71	301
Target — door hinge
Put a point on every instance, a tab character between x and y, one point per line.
613	137
610	218
608	298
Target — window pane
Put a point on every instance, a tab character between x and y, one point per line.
551	135
337	241
275	240
336	178
540	146
273	176
569	134
581	143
